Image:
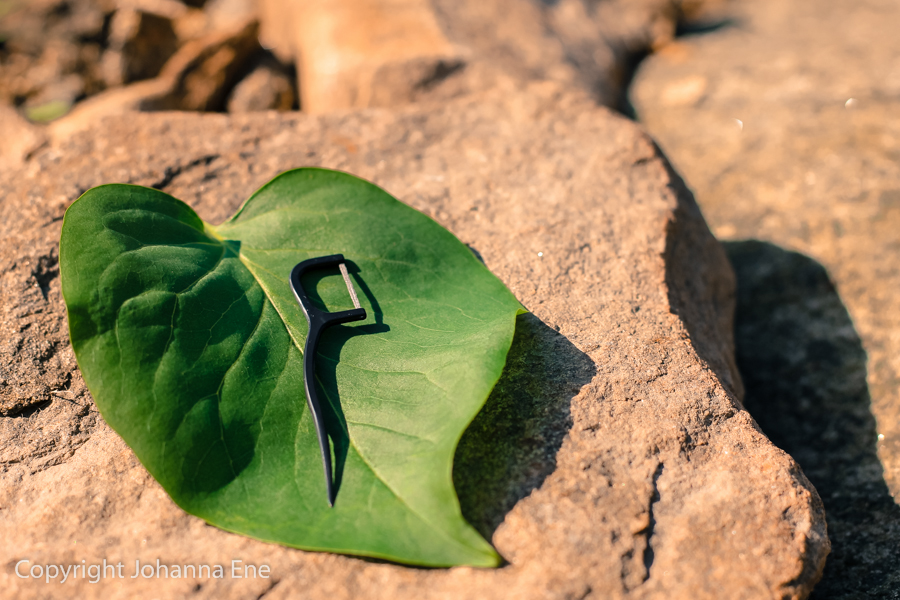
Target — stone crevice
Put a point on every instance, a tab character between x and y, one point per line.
170	173
651	525
46	270
271	587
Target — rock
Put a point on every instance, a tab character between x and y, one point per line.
226	14
192	20
197	77
205	70
171	10
388	53
589	44
22	138
268	86
383	53
188	22
48	48
153	94
604	40
357	53
29	25
794	140
35	357
194	24
627	466
140	43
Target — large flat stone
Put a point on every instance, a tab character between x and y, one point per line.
613	460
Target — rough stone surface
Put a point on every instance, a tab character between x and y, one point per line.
785	120
613	460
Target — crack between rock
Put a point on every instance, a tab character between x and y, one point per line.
268	589
171	173
45	271
441	71
648	532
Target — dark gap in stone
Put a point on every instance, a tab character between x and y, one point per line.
804	369
654	498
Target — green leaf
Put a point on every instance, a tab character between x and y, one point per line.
190	340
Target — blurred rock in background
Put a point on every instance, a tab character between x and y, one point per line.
116	55
139	44
104	57
198	77
21	138
358	53
268	86
50	53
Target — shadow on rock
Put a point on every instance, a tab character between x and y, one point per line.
804	369
510	447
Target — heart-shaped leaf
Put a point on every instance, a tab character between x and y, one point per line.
190	340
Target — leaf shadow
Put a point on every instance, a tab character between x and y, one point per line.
510	447
223	444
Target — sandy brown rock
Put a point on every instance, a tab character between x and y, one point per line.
585	43
785	123
357	53
21	137
268	86
225	14
389	52
613	460
168	9
204	70
140	43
